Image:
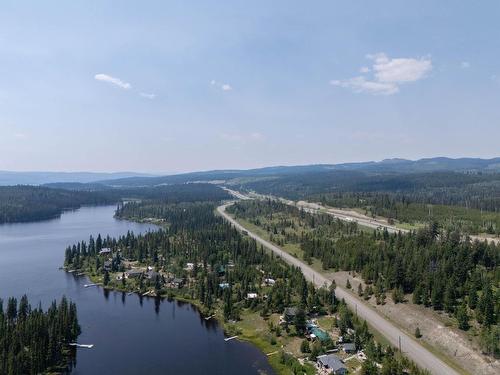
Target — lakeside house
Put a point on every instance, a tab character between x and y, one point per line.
105	251
189	266
133	274
330	364
107	265
177	282
252	295
224	285
152	275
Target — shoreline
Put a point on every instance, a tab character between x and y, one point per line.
229	329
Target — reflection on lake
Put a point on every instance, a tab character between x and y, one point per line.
131	334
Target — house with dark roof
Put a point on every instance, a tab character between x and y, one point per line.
152	275
331	364
290	313
133	274
349	347
177	282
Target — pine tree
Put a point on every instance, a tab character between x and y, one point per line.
360	290
463	317
305	347
105	280
417	333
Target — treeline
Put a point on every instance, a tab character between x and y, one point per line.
438	268
33	341
32	203
422	207
390	193
199	256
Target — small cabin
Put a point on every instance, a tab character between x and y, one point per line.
178	282
133	274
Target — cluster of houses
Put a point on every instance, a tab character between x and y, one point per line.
329	363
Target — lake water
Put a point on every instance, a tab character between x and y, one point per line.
131	335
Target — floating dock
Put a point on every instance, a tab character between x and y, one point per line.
86	346
230	338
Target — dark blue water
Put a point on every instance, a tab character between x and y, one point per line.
131	335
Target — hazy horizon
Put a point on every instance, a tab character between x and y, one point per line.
164	173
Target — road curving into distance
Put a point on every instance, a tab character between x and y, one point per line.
410	347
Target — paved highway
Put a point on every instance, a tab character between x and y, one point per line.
410	346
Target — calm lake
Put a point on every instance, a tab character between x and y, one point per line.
130	335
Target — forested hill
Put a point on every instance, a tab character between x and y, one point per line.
391	166
30	203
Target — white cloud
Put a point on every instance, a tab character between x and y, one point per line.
220	85
361	84
399	70
388	74
465	64
147	96
113	80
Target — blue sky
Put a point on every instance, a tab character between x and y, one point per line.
170	86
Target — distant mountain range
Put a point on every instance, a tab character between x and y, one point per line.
77	180
40	178
372	167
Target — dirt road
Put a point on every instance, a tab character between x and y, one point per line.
394	335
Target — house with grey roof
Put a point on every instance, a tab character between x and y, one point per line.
349	347
133	274
152	275
289	313
331	364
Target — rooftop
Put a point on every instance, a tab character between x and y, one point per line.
331	361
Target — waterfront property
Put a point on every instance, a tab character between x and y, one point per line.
177	282
133	274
